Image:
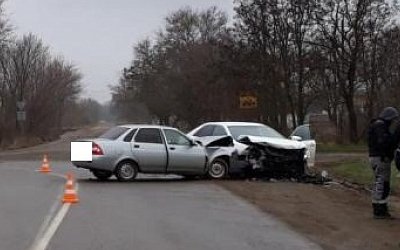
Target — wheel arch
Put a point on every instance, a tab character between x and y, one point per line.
127	159
226	158
221	154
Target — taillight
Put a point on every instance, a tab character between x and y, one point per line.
96	149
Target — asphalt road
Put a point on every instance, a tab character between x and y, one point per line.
151	213
25	200
154	212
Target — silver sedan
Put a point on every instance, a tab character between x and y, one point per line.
126	150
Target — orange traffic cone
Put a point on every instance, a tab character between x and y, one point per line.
70	194
45	168
70	182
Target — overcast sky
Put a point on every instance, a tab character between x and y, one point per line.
97	35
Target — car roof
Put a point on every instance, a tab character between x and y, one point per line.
235	123
130	126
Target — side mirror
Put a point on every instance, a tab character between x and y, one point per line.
296	138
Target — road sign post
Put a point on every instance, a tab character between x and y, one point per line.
20	106
21	115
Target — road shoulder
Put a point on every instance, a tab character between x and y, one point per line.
333	216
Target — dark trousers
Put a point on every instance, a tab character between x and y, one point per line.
381	185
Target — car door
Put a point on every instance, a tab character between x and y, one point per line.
183	155
304	132
150	151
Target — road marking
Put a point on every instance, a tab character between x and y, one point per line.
53	219
47	220
44	240
51	224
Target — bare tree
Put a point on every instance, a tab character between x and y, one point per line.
30	74
342	27
175	73
293	54
378	30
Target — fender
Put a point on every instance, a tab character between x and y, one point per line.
125	158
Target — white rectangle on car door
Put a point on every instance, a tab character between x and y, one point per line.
81	151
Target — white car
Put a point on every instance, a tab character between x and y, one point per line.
258	146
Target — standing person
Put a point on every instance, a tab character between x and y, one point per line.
382	143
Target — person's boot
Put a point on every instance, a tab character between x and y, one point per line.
385	212
377	211
381	211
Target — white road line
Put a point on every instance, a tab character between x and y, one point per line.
47	220
44	241
51	224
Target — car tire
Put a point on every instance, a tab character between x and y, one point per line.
218	169
102	175
126	171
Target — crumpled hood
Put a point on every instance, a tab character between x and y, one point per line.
282	143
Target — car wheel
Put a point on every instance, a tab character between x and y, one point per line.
126	171
218	169
102	175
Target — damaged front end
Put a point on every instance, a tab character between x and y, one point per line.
261	159
258	157
218	146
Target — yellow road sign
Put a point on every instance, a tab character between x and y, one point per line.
248	102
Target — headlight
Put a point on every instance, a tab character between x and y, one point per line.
307	154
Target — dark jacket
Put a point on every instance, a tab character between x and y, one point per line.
381	142
397	159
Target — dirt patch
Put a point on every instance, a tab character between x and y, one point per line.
22	142
333	216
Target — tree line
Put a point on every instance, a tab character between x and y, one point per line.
340	56
37	89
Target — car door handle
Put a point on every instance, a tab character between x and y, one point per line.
136	146
172	148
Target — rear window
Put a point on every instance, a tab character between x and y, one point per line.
114	133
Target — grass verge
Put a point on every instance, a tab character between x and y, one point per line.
341	148
359	172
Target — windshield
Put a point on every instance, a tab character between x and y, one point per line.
114	133
262	131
